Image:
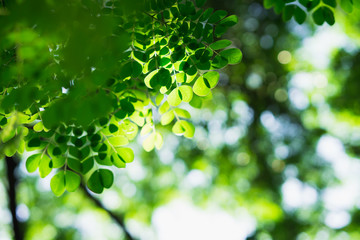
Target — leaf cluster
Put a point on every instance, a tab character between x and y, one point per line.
75	97
321	10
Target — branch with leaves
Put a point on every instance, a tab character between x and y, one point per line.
76	101
321	10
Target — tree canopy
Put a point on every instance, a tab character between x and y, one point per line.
89	86
78	105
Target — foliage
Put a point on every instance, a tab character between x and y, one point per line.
321	10
252	142
77	95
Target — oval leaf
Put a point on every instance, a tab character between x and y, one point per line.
106	177
72	181
233	55
220	44
32	163
57	183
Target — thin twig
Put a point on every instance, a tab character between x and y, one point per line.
119	220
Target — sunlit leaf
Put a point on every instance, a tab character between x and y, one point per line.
118	141
38	127
32	163
220	44
72	181
167	118
149	142
126	154
233	55
57	183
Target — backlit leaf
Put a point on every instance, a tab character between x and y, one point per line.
118	141
32	163
233	55
167	117
126	154
220	44
57	183
72	181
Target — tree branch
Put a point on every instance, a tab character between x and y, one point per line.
119	220
11	164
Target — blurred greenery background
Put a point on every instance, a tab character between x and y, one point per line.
275	153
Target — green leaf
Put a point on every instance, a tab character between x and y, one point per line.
10	150
164	51
164	107
220	44
131	69
94	183
74	164
167	118
217	16
32	163
38	127
106	177
126	154
288	12
174	98
103	159
58	162
206	14
118	141
127	106
158	78
57	183
198	30
158	140
117	161
128	129
200	87
180	77
3	121
318	16
159	99
161	78
87	165
137	118
149	142
164	61
299	15
185	128
72	181
328	16
219	62
182	113
229	21
56	151
205	83
35	142
146	129
100	179
186	93
233	55
149	77
113	128
44	165
212	78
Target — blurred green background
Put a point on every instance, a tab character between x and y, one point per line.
275	153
